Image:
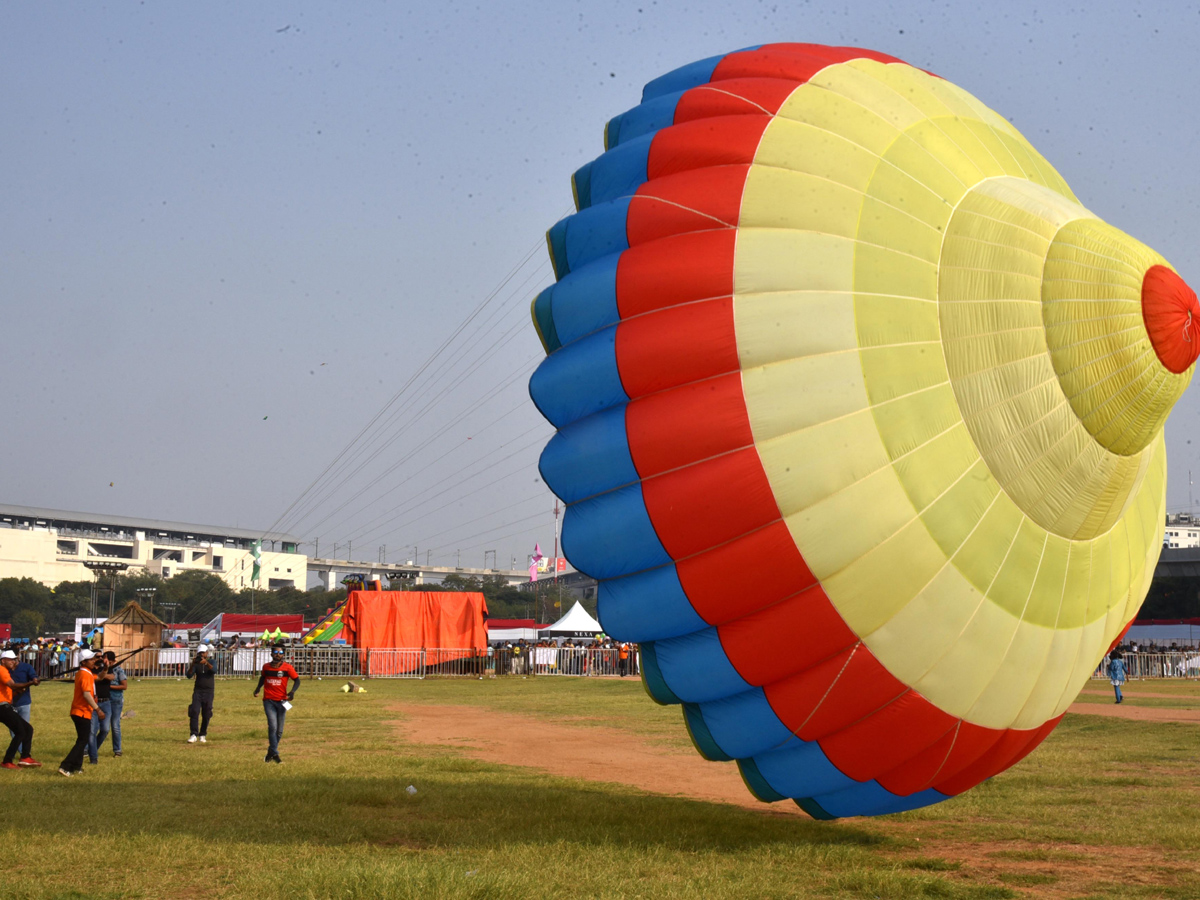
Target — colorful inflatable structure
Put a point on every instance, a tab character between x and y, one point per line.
860	420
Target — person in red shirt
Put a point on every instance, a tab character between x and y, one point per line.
21	730
274	678
83	707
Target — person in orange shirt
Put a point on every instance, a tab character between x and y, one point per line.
22	731
83	707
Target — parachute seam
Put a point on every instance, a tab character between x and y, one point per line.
724	224
754	103
828	690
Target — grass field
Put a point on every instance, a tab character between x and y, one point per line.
1105	808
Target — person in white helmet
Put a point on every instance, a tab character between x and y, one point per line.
200	710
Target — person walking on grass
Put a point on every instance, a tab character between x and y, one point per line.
276	698
83	708
200	710
117	684
24	678
100	724
1116	672
22	731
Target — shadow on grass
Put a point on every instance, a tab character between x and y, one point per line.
465	806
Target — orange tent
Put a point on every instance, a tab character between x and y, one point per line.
450	620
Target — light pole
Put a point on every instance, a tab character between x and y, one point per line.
146	595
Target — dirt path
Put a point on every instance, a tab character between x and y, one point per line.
1140	713
594	753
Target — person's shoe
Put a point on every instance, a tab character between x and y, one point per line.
116	753
203	739
9	765
92	762
268	757
64	773
276	759
29	762
192	739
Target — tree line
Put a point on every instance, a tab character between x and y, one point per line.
192	596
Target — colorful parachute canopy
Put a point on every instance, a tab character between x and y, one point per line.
860	420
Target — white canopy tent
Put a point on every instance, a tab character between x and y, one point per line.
577	623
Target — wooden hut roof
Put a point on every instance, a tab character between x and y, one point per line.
133	614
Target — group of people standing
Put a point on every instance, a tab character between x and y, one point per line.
98	701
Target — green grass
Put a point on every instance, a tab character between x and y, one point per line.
176	820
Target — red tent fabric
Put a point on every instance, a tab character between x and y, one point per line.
417	619
239	622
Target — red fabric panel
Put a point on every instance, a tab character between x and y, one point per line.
686	424
886	738
1172	317
415	619
675	346
795	62
734	96
833	694
721	141
762	645
709	502
956	750
722	587
240	622
699	200
675	270
1012	747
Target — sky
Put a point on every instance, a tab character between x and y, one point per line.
269	265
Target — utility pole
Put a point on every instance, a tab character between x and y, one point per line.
458	558
316	546
349	549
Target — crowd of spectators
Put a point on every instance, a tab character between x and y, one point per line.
573	656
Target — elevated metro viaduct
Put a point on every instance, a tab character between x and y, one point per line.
332	571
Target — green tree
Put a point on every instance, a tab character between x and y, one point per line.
28	623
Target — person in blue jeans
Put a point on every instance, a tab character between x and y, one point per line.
274	678
100	726
25	677
1116	672
117	684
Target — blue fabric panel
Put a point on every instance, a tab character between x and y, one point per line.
696	668
556	244
870	798
581	186
652	678
756	783
618	172
645	119
586	300
579	380
596	232
701	738
648	606
744	724
679	80
588	457
611	535
801	769
543	317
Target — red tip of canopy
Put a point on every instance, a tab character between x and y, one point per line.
1172	316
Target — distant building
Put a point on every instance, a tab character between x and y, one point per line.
1183	530
52	545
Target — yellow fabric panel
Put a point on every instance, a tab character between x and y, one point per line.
806	466
881	270
985	550
778	259
826	110
926	94
961	509
914	420
1098	344
1014	582
904	190
928	154
834	533
1046	597
781	198
981	153
788	324
876	585
803	147
1055	672
933	468
927	627
901	227
1073	611
867	87
831	386
884	320
891	372
1012	682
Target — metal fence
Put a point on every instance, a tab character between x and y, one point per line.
1171	664
349	662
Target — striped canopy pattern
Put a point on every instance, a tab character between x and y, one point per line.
860	421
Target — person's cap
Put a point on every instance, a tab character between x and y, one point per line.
8	654
202	648
85	655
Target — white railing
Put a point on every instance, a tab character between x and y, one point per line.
1171	664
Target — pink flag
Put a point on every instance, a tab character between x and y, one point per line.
534	560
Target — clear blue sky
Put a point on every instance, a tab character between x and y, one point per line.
215	213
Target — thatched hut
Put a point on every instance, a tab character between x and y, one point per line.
132	629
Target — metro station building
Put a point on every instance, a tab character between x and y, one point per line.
52	546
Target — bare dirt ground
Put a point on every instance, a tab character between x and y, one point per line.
611	755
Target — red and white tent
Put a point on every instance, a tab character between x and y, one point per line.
241	625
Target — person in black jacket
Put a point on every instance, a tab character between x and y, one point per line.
200	710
